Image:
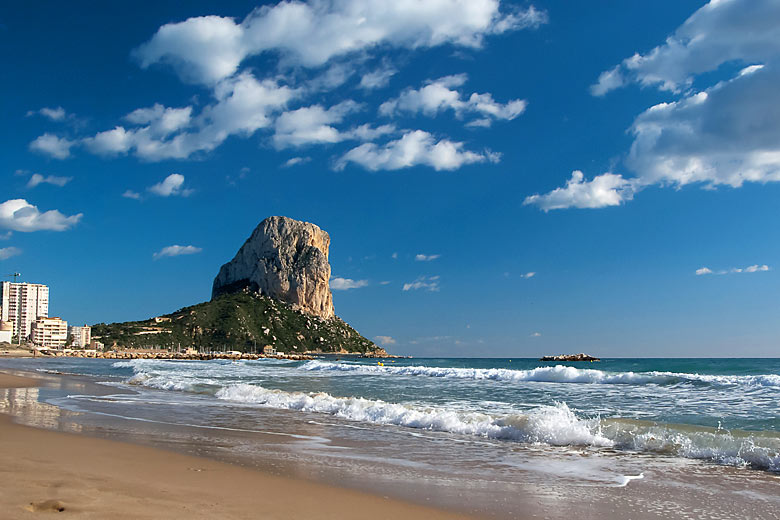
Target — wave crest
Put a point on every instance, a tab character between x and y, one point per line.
556	374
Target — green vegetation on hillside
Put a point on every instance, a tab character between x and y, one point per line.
242	321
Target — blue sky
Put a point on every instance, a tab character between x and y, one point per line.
498	178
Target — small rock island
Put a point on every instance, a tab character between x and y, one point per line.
570	357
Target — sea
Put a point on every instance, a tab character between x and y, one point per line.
454	429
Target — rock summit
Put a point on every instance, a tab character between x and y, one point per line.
284	259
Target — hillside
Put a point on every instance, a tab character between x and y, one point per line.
242	321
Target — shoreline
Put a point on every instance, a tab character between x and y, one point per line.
452	474
91	477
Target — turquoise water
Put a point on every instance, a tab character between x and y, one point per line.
725	411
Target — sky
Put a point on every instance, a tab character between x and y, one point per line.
498	178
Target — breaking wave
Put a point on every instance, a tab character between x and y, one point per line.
556	374
556	425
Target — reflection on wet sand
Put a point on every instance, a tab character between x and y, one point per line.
25	406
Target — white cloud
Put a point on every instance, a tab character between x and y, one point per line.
428	283
756	268
385	340
53	146
377	78
414	148
723	31
528	275
295	161
604	190
536	335
37	179
20	215
242	105
176	251
55	114
311	125
726	135
718	135
208	49
394	256
438	96
426	258
608	80
6	236
172	185
344	284
130	194
8	252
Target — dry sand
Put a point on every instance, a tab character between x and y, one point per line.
46	472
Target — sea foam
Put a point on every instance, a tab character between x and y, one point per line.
556	374
555	425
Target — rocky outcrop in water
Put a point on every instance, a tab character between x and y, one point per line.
284	259
570	357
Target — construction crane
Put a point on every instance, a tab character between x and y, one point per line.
14	276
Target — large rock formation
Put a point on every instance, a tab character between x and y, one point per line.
285	259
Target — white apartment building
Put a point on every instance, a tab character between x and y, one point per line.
80	337
22	304
50	332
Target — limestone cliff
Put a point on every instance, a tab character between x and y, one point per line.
284	259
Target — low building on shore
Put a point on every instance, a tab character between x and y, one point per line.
50	332
268	350
80	337
6	331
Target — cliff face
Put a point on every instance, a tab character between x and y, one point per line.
284	259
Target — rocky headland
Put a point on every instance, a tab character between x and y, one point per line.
274	293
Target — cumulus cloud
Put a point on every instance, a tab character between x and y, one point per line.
20	215
312	125
37	179
439	95
55	114
53	146
208	49
603	190
172	185
530	274
8	252
242	105
385	340
130	194
344	284
415	148
724	134
756	268
428	283
723	31
426	258
176	251
536	335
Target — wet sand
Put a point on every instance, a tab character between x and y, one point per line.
47	472
97	464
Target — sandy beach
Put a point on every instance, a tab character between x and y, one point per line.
85	477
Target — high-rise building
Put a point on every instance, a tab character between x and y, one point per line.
22	304
50	332
80	336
